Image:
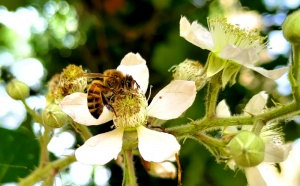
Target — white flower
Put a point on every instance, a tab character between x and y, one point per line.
228	42
154	146
275	149
267	174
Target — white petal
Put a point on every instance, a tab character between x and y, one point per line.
243	56
271	74
222	109
196	34
173	100
75	105
134	65
254	177
257	103
101	149
156	146
276	153
165	170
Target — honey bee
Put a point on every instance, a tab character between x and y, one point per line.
102	92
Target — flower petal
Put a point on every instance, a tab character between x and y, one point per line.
271	74
156	146
101	149
254	177
243	56
222	109
257	103
75	105
173	100
134	65
196	34
276	153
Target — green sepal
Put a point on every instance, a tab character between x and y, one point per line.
215	64
229	74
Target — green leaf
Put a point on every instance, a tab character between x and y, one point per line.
19	154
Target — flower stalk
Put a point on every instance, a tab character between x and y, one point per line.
129	178
44	140
42	172
212	95
294	73
82	130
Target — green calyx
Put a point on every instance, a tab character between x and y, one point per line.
247	149
17	90
291	28
54	117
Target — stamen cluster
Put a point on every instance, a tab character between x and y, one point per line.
224	33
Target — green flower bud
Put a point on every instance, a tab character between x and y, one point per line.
291	28
54	117
17	90
247	149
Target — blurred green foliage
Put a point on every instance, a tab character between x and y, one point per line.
97	34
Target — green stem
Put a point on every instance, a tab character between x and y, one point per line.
257	127
210	140
294	75
35	115
212	95
42	172
129	178
44	140
82	130
194	127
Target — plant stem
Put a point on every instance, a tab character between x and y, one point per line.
212	95
35	115
42	172
294	75
44	140
82	130
129	178
194	127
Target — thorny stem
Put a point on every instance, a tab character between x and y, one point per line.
129	178
42	172
197	126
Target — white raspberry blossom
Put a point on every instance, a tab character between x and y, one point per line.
228	42
154	146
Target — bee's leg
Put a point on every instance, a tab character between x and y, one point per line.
106	103
110	108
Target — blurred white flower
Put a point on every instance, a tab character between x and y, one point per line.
154	146
234	45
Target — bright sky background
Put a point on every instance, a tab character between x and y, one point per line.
30	70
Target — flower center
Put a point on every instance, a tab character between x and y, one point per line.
130	108
224	33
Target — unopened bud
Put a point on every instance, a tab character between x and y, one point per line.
291	28
190	70
54	117
17	90
247	149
